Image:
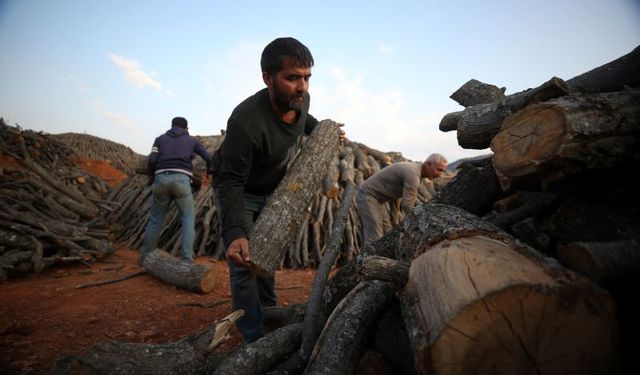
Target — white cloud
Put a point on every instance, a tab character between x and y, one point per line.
381	118
122	121
79	84
133	73
385	49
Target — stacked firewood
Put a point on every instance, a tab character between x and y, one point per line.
50	208
91	147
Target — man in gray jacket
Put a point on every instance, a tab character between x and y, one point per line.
397	181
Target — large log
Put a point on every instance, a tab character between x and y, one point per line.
189	276
479	301
568	135
340	344
189	355
278	223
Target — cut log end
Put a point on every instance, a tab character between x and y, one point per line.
527	140
487	308
523	331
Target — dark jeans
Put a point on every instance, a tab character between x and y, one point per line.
249	291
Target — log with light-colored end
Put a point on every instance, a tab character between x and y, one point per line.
489	309
189	276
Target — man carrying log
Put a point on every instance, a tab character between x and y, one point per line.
170	164
263	135
397	181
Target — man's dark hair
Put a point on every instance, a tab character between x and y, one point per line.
278	50
180	122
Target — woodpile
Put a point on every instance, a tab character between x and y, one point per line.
51	210
95	148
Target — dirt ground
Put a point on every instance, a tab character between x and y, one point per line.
44	316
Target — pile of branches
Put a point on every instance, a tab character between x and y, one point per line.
51	210
91	147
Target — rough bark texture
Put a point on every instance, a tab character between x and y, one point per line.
478	300
475	92
340	345
189	276
567	135
260	355
278	223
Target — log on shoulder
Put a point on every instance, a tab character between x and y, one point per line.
278	223
189	276
479	301
568	135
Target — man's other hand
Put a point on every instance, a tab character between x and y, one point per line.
238	252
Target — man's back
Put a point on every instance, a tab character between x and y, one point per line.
398	180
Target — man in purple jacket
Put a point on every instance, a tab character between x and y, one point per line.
170	164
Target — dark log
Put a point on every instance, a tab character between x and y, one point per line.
392	341
375	267
479	301
340	344
278	223
532	203
450	121
262	354
189	355
475	92
602	261
480	123
189	276
474	189
568	135
274	317
616	75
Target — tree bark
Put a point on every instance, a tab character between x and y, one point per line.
568	135
340	344
479	301
278	223
475	92
189	276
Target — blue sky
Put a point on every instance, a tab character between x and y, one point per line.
120	70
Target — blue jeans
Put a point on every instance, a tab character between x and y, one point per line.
168	187
249	291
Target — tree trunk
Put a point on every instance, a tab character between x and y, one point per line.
278	223
189	276
479	301
568	135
